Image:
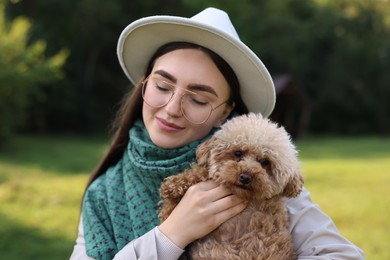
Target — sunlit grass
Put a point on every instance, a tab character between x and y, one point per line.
41	184
42	181
350	179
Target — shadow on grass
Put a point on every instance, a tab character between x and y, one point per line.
344	148
55	154
21	242
77	154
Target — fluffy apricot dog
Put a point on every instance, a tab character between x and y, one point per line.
257	161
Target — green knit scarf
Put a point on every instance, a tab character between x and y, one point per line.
121	204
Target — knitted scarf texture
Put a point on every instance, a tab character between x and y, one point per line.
121	204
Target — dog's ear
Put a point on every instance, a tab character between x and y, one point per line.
203	152
294	186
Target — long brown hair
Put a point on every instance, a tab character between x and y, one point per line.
131	105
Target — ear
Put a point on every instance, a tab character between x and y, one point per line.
203	152
294	186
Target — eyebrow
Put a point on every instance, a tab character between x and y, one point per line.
197	87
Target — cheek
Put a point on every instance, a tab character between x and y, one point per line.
148	113
192	132
199	131
219	116
146	110
196	132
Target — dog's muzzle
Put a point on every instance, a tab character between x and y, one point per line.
245	178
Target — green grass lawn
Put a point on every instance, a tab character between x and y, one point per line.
42	181
41	184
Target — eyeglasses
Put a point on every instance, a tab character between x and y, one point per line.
195	107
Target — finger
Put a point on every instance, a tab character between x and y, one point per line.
213	191
227	214
224	203
206	185
218	193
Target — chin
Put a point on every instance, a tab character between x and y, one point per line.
166	143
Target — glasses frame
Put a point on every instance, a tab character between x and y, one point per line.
174	87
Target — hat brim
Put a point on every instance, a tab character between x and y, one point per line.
139	41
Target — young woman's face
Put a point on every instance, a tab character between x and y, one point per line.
185	69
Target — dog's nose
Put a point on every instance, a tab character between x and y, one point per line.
245	178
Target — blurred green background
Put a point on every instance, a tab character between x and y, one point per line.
60	83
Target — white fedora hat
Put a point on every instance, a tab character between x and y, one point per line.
210	28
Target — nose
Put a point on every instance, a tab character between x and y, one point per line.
173	108
245	178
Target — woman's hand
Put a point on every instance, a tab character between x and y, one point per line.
203	208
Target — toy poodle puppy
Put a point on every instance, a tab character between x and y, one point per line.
256	160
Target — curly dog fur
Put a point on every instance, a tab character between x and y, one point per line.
256	160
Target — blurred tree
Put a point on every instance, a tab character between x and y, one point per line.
353	80
90	29
24	71
337	50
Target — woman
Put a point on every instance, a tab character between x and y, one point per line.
194	74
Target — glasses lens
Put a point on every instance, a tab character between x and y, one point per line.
156	93
195	108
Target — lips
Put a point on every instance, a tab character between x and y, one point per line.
168	126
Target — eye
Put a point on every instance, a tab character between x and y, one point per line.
238	154
161	86
198	100
265	163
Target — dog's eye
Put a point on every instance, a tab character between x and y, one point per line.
238	154
265	163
